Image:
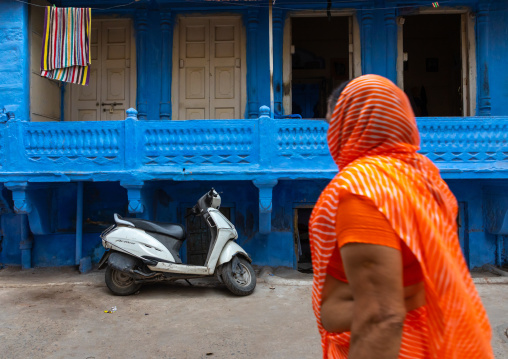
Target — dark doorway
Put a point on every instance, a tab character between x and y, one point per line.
198	237
462	228
302	244
433	64
320	62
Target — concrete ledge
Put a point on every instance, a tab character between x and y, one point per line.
57	277
491	280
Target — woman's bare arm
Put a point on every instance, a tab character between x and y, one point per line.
374	273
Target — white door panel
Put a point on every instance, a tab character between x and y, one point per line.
209	68
194	69
110	74
115	75
224	61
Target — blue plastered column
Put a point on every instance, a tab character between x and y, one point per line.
252	63
22	207
134	196
391	45
265	184
166	66
141	23
14	58
482	28
265	187
366	35
278	40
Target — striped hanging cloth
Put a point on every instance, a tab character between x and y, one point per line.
66	44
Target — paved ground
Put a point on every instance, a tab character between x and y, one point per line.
58	313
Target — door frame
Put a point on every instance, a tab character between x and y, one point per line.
467	48
133	71
355	51
175	81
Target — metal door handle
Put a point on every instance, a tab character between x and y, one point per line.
111	104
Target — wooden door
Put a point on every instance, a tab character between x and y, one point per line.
194	69
225	65
86	99
115	70
107	95
210	68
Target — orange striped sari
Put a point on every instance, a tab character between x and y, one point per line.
373	139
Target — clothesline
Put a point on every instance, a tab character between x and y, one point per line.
93	8
283	6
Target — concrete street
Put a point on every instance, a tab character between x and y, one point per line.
59	313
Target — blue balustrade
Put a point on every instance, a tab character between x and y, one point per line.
224	149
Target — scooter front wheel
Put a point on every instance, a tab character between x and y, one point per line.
120	283
239	276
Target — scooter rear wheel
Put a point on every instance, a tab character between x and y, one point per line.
240	280
120	283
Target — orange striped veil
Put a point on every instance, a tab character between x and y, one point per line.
374	140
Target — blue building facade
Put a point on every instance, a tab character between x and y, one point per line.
179	101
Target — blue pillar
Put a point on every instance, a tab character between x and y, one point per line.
252	64
367	18
265	203
484	106
26	243
141	37
79	223
266	134
134	196
391	45
278	40
22	206
167	65
131	140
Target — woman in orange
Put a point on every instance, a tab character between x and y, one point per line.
390	280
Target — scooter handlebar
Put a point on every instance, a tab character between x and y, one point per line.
204	202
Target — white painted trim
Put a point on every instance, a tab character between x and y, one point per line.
134	70
357	47
400	52
243	71
175	74
287	69
465	64
471	44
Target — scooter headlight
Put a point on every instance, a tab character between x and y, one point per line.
216	201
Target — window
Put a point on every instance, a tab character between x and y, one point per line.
435	63
320	54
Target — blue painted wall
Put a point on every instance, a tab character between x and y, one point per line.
166	201
14	58
471	152
497	52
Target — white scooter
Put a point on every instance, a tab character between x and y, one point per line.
140	251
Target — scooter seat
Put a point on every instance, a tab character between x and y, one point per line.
174	230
